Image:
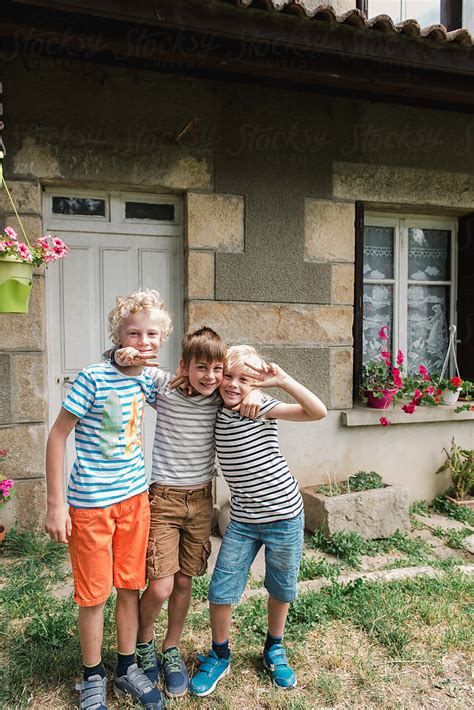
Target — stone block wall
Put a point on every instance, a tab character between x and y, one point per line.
23	377
313	341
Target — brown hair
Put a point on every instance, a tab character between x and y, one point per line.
204	345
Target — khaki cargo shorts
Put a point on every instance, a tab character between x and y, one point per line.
180	528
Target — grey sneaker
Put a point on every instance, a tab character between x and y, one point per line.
92	693
136	684
175	673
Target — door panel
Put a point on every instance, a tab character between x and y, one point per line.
81	290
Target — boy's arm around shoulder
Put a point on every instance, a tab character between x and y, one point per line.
308	406
58	522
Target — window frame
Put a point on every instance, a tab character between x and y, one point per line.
402	222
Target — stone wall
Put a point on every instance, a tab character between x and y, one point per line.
269	178
23	379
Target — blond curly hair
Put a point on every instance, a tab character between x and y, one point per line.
147	300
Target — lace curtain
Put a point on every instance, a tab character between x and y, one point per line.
428	304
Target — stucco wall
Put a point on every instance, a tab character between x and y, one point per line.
270	178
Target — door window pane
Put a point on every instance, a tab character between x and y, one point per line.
378	252
79	206
159	212
377	312
429	253
428	309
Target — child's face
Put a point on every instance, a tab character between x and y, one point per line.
142	331
204	377
236	385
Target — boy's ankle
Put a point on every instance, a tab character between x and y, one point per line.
221	649
124	661
97	669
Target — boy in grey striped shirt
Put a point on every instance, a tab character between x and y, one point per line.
180	496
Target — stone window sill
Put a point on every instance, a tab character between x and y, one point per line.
360	415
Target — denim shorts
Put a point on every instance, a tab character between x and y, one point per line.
283	541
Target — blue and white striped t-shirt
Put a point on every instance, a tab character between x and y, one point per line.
109	465
261	486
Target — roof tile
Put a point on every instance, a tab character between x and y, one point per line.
324	12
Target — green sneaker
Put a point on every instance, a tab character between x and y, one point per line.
147	660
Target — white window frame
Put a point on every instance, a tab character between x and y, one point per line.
114	213
401	223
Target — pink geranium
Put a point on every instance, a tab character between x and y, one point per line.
384	421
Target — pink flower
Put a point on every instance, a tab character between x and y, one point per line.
408	408
455	381
3	453
384	421
10	232
424	373
400	358
3	247
382	334
24	252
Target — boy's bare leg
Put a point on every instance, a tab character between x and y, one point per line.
126	620
91	630
152	599
221	618
178	606
277	613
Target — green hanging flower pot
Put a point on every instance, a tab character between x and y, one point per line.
16	280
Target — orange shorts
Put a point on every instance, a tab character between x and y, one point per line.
109	545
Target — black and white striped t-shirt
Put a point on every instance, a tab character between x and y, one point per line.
183	449
261	485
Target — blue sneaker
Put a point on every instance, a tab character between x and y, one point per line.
175	674
136	684
147	659
276	663
211	670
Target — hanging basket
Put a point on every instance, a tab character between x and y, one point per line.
16	280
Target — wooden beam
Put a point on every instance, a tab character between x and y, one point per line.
323	64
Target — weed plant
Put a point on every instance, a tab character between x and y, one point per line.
201	587
459	512
350	547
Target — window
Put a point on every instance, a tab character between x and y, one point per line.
408	284
77	206
426	12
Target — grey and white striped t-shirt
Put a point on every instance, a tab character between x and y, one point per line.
261	486
183	449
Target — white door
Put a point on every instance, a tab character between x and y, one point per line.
111	254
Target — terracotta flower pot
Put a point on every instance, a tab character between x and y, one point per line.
3	532
379	402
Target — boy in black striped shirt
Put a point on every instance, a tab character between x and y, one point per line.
266	509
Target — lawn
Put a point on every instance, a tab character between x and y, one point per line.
405	644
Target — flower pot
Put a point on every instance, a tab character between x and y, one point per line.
3	532
379	402
16	280
449	397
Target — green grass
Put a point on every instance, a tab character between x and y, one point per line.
311	568
201	587
408	620
350	547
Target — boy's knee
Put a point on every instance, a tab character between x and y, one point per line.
182	582
160	589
